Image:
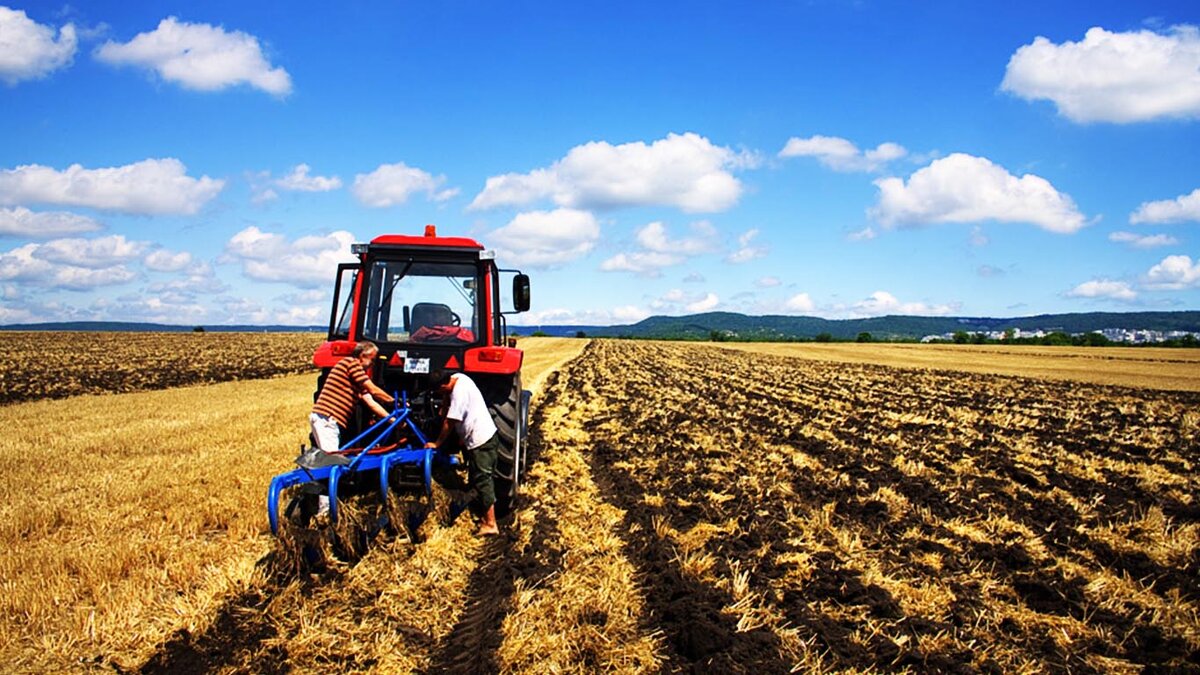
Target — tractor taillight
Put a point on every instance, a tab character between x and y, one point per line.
491	355
342	348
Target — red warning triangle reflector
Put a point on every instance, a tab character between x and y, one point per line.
452	362
396	360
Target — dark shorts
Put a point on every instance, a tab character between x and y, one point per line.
481	468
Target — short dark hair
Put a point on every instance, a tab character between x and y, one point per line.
439	376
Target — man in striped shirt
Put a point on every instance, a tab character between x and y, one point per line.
346	385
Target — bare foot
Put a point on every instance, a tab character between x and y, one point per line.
487	531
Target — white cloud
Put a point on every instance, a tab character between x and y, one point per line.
1112	77
199	56
682	170
1103	288
306	262
546	238
979	238
299	180
393	184
158	309
694	278
705	304
676	300
675	296
196	279
98	253
301	315
746	252
1143	241
24	265
316	295
840	154
961	188
243	310
148	187
767	282
29	50
653	237
645	263
162	260
801	302
628	314
20	315
1175	272
882	302
660	250
21	222
1181	209
558	316
865	234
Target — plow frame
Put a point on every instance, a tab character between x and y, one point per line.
371	457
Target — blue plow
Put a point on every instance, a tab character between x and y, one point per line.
329	470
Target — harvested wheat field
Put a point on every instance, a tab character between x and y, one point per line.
130	522
687	510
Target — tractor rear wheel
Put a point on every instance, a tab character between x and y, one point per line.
508	408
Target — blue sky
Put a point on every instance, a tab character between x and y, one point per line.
210	163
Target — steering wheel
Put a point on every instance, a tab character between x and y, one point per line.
455	320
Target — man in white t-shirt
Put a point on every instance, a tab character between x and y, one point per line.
467	414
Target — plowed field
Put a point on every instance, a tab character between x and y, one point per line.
784	512
46	364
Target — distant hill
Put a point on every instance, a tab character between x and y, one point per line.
745	327
776	327
128	326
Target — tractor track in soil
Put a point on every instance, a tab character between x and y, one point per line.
473	643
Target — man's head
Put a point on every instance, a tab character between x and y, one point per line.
365	352
439	379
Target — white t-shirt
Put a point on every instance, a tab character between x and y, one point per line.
469	412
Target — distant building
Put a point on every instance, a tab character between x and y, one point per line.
1126	335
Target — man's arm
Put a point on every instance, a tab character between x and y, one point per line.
443	435
374	406
379	393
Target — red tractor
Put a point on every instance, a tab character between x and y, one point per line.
429	303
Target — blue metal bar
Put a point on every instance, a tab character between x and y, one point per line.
368	430
403	416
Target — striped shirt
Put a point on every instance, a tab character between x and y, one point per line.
343	387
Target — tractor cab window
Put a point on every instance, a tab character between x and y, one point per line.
343	302
421	302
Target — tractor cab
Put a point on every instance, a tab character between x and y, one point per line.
428	302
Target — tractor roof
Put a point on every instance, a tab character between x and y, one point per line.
429	239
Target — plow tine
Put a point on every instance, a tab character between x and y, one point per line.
278	485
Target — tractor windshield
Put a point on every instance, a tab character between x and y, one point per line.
421	302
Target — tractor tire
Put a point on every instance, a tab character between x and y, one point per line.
509	407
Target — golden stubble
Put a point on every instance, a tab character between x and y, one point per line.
130	520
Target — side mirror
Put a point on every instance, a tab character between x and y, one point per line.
521	292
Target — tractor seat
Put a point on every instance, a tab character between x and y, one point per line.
430	314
